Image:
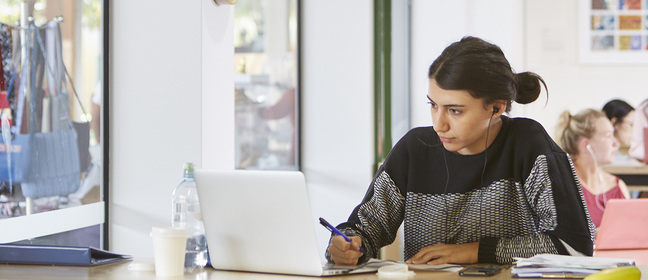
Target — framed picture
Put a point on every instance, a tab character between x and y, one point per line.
613	31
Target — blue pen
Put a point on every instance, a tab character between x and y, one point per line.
335	230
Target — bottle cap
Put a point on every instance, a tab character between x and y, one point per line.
188	169
189	166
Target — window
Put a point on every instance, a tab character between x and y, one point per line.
266	84
65	36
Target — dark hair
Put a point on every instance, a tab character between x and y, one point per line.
617	109
481	68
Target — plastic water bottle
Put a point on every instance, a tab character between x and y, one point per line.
186	215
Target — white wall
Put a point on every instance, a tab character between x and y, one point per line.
337	106
155	116
551	41
217	86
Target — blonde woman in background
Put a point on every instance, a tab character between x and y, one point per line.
588	137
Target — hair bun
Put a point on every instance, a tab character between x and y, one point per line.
528	87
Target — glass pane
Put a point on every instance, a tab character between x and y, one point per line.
265	41
54	111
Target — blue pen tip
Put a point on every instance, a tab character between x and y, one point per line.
324	222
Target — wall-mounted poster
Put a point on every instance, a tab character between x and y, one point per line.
614	31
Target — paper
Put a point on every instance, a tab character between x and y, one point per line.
560	266
439	267
376	263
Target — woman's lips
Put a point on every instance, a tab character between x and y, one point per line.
445	139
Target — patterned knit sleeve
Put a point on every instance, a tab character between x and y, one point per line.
560	219
377	218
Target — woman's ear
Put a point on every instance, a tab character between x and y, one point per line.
499	107
582	145
614	120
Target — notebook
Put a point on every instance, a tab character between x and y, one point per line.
57	255
622	232
623	225
260	221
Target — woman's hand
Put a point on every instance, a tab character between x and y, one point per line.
343	252
446	253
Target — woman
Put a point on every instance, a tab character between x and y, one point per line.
622	115
478	186
589	139
639	129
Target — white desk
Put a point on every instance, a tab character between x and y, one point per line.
119	271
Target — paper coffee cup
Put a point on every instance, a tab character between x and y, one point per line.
169	250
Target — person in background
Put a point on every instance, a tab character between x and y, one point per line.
622	115
640	124
589	139
477	186
89	190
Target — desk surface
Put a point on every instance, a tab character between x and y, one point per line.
636	177
120	271
627	170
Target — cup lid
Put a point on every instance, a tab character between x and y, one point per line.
168	232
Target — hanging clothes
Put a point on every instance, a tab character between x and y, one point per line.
2	79
7	54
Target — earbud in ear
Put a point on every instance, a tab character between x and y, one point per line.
589	148
495	110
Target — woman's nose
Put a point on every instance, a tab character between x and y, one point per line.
439	122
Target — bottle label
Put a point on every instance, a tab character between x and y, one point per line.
179	214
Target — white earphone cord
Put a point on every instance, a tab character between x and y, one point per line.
598	204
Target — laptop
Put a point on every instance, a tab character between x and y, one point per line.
622	232
260	221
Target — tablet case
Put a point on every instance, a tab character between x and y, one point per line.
56	255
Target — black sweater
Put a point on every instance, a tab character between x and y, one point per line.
519	198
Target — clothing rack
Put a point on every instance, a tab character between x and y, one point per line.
26	19
43	97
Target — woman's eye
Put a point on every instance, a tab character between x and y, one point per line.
455	111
